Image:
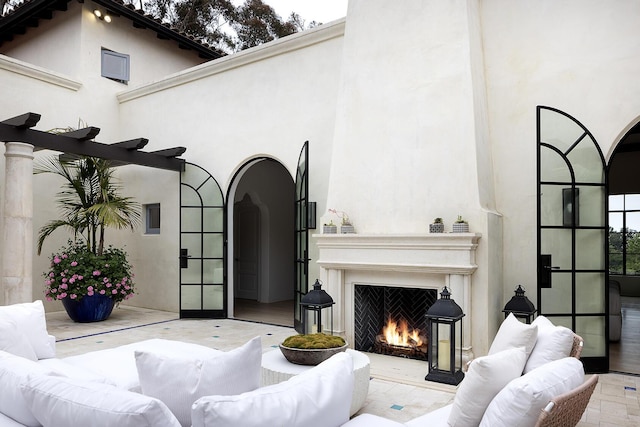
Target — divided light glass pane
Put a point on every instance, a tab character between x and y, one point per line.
587	162
591	293
191	242
191	275
190	219
592	329
194	175
590	249
558	130
213	298
190	297
213	245
591	206
557	243
551	205
555	168
615	221
188	197
633	221
210	193
213	219
213	271
557	299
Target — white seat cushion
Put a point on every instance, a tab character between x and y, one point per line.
59	401
31	322
319	397
13	371
520	402
178	381
119	363
514	334
486	376
553	343
370	420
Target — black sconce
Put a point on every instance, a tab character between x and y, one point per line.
520	306
444	323
311	215
315	301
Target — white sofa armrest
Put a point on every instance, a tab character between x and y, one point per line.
8	422
52	343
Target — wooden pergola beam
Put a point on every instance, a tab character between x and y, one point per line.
17	129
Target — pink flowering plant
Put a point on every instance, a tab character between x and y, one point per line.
77	272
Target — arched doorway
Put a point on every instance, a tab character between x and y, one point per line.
261	208
624	254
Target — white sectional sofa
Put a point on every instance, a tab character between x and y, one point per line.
170	383
156	383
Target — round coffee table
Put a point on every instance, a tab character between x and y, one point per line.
276	369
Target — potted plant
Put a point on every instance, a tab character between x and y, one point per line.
87	284
311	349
460	226
345	224
90	202
437	226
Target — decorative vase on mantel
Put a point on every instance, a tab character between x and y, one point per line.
437	226
330	228
94	308
460	226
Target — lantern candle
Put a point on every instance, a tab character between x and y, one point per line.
443	355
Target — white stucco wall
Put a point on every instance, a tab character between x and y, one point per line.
433	117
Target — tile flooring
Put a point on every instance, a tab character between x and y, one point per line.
397	389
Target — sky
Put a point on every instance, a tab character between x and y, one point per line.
310	10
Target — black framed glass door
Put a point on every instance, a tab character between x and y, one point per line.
301	280
203	289
572	232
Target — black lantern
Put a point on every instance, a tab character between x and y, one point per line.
520	306
444	323
315	301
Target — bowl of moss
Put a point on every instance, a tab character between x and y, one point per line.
311	349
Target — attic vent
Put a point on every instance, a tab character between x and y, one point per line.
115	66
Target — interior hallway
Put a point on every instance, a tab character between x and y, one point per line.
397	389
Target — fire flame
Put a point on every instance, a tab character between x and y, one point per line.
399	334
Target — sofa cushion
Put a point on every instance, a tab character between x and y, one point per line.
553	343
520	402
370	420
119	363
59	401
13	341
319	397
514	334
31	322
13	371
178	381
486	376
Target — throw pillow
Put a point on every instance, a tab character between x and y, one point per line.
31	322
520	402
514	334
485	378
553	343
318	397
13	371
58	401
178	381
13	341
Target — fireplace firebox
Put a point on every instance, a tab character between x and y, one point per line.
391	320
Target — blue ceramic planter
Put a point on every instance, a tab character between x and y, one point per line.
93	308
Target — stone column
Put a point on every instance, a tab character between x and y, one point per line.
17	250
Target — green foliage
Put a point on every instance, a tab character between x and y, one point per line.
76	272
625	241
313	341
89	201
224	26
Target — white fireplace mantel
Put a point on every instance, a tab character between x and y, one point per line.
428	261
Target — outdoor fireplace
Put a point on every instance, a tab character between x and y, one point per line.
420	262
391	320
